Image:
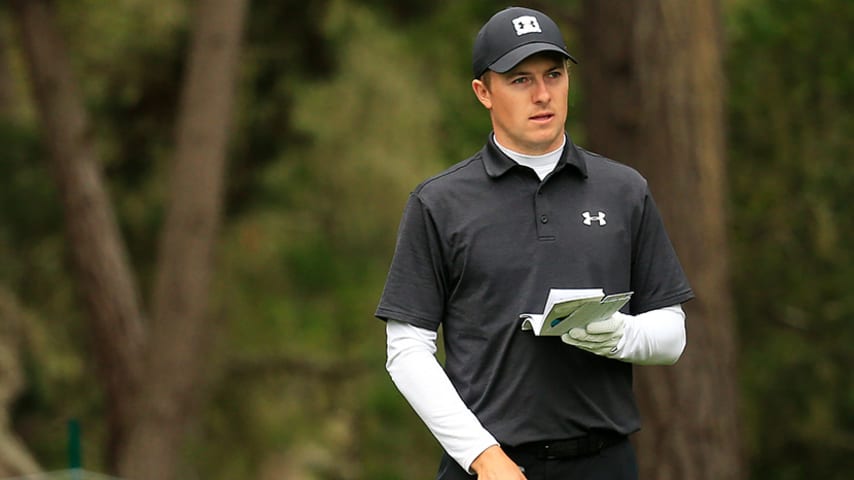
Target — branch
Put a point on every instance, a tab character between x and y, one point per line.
181	330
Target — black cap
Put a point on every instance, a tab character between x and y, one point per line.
512	35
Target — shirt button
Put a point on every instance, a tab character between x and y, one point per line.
544	218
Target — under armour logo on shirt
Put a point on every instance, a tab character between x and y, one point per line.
589	219
526	24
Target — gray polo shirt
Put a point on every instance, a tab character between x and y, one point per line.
485	240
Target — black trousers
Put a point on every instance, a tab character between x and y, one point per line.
614	462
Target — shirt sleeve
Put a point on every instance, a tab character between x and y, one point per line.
656	337
415	288
420	378
658	280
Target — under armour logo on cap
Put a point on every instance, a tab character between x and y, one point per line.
589	219
526	24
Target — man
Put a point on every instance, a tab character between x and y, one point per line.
486	239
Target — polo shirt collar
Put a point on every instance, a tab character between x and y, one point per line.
497	163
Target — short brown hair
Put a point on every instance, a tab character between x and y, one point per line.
486	80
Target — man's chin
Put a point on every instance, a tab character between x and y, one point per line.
547	143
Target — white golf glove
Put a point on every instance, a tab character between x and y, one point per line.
600	337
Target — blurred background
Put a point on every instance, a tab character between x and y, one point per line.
199	202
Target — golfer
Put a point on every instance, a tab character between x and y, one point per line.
485	240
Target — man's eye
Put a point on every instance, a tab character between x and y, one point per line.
554	74
520	80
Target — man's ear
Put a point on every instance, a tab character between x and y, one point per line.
481	91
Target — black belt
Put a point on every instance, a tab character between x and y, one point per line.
569	448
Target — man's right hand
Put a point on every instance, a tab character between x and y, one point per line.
494	464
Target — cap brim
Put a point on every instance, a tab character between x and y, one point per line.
513	57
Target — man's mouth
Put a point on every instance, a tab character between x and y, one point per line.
541	117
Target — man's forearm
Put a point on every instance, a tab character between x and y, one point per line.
656	337
416	372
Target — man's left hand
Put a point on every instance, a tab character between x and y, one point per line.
600	337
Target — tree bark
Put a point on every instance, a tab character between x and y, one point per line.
99	259
176	371
653	83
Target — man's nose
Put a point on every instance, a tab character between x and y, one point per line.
541	92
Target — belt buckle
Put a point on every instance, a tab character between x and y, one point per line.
558	450
547	454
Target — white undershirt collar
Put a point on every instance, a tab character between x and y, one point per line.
541	164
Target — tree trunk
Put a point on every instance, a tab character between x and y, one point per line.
99	259
180	330
653	84
166	357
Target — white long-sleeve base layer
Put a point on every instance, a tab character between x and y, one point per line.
651	338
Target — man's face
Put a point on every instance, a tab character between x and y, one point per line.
528	104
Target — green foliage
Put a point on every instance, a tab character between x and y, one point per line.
791	103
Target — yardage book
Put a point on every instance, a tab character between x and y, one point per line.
569	308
